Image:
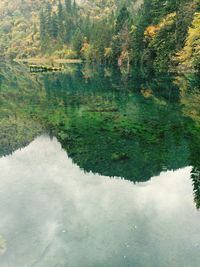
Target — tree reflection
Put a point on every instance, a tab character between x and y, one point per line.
132	127
189	87
196	185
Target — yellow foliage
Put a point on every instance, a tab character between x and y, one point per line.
108	52
190	54
152	30
147	93
168	20
88	51
65	53
85	47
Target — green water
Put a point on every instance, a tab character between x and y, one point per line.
99	168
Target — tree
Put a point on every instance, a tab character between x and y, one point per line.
60	11
42	30
68	5
54	26
48	18
60	20
74	8
42	25
122	18
185	12
190	54
121	40
77	41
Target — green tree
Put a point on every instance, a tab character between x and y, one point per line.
42	30
185	12
190	54
54	26
60	11
77	41
48	17
75	8
122	18
68	5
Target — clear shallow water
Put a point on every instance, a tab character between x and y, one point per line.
99	168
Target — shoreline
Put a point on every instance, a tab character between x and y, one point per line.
48	61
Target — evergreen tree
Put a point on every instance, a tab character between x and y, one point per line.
77	41
60	20
74	10
68	5
154	34
48	18
54	26
60	11
42	30
42	25
185	12
122	18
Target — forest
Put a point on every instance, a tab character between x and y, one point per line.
156	33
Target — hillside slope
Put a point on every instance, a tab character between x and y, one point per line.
19	29
155	33
20	25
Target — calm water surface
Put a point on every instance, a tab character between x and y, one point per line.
99	168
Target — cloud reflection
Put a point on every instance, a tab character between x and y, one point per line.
53	214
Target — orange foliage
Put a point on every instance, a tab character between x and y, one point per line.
151	31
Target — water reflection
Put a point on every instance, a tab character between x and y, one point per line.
132	127
54	214
58	203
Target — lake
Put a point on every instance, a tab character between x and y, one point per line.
99	167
